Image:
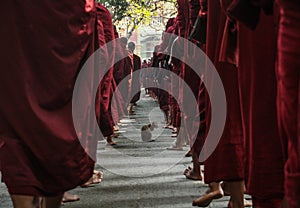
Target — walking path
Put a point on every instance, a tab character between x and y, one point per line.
139	174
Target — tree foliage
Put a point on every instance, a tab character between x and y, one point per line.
137	12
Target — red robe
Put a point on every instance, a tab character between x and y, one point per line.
136	84
106	122
288	103
196	114
45	45
257	83
122	69
105	18
227	161
182	30
163	56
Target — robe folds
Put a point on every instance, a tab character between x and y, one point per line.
105	18
167	102
122	71
136	83
182	30
45	43
288	100
257	84
227	161
105	121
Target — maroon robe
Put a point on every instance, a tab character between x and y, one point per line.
136	84
106	122
166	46
257	83
183	18
45	45
288	103
166	43
116	110
122	69
106	19
195	119
227	161
164	50
182	30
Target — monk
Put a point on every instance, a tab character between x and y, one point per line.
182	27
115	109
288	102
227	161
122	70
257	78
193	80
106	122
45	46
136	86
163	79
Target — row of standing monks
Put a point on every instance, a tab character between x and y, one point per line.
254	46
250	44
47	147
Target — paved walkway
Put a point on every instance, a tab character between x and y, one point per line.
139	174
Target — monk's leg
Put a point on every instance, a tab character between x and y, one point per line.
215	192
236	189
52	202
22	201
194	173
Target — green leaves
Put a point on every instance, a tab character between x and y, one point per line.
134	13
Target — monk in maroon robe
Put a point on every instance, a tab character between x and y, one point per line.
116	110
257	78
106	122
45	45
182	30
135	83
122	71
288	101
163	79
196	138
227	161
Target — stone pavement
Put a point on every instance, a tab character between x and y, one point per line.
138	174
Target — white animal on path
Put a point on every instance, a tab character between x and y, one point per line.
146	134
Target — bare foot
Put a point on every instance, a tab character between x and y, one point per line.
215	192
188	153
95	179
115	135
116	128
246	203
225	188
110	141
192	175
69	198
174	147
